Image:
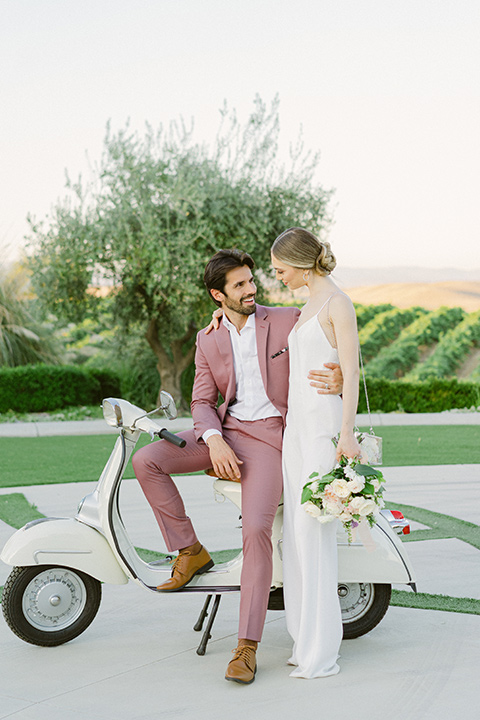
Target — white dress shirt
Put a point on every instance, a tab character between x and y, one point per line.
252	402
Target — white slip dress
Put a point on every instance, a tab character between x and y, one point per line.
310	548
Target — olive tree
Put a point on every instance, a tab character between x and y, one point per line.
157	207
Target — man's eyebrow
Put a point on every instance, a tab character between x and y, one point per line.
242	282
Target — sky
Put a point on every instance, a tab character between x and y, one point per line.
387	90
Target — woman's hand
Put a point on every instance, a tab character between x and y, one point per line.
215	321
348	445
328	381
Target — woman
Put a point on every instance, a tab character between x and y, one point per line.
325	332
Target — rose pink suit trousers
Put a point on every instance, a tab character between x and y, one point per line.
258	444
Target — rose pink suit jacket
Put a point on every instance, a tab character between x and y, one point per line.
215	371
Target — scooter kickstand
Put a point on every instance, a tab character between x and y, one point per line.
198	626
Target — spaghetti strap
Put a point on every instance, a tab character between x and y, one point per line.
328	300
329	319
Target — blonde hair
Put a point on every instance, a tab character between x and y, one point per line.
301	249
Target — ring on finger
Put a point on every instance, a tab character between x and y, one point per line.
327	386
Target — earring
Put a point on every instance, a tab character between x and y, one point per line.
306	273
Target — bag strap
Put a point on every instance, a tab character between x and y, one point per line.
365	388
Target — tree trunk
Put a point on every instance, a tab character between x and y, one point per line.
170	371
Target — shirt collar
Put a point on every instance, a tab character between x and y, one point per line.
249	324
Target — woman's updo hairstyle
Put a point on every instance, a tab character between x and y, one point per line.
301	249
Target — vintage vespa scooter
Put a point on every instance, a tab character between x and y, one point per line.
54	590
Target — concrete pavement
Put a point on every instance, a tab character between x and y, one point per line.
137	660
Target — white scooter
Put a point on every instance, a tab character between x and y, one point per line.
54	590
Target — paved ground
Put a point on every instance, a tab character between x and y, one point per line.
137	660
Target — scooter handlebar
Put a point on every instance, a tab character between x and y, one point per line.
172	438
153	427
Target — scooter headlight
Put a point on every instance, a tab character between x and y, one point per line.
112	412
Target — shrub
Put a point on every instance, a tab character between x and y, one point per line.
434	395
39	388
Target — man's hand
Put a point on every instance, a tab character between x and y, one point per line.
224	461
327	382
215	321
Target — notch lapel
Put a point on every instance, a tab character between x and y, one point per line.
222	338
262	327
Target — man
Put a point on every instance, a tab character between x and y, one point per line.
246	362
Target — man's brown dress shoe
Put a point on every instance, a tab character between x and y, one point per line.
243	667
185	567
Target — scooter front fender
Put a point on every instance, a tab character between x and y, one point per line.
65	542
380	559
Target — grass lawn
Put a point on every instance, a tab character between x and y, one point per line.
47	460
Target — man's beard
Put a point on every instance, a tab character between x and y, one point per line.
239	307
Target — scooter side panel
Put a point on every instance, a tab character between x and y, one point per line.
67	543
380	557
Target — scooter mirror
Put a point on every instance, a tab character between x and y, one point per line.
168	405
112	412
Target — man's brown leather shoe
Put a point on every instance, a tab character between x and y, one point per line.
185	567
243	667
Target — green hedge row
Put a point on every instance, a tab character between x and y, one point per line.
365	313
452	349
434	395
39	388
384	328
396	359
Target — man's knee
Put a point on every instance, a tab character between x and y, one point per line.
258	531
143	462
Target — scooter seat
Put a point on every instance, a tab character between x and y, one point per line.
211	472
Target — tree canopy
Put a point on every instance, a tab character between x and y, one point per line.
155	210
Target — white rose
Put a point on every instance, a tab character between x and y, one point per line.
325	518
361	506
333	506
369	507
340	488
356	484
312	509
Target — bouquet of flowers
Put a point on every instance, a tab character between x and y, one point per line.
351	492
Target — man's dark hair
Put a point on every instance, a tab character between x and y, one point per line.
220	264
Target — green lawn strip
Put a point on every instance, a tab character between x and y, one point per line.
59	459
430	444
16	511
442	526
425	601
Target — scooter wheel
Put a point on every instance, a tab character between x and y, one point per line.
49	605
363	606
